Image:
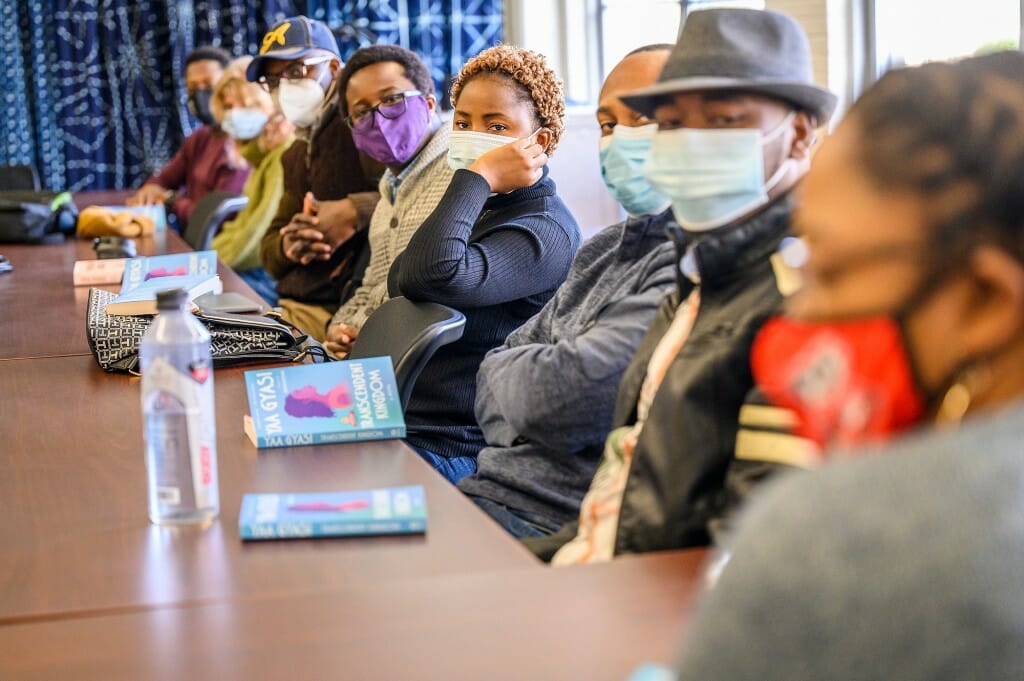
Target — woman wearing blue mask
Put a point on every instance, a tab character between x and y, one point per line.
497	246
247	114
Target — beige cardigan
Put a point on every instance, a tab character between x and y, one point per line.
395	220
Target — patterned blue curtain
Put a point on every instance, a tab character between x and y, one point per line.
93	90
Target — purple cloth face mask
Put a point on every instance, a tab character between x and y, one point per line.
393	141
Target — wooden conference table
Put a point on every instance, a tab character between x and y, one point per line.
90	589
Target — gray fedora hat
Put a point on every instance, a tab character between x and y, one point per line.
757	51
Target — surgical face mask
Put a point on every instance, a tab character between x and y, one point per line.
467	146
714	176
244	123
623	154
199	106
394	141
300	100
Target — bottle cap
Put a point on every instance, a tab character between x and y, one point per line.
171	298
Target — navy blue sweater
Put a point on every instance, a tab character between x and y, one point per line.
496	259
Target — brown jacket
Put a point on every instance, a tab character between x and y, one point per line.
330	166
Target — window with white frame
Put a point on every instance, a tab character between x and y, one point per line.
912	33
625	25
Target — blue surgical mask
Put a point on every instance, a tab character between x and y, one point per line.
714	176
623	154
244	123
467	146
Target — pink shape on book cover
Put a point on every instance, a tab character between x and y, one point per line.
164	272
307	402
355	505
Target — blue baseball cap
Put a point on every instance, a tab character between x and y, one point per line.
293	38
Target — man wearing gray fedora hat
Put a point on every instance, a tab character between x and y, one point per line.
736	110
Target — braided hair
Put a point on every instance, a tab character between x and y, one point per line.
952	133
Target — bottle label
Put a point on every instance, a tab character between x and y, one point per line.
193	440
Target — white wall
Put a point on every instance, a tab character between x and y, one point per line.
576	170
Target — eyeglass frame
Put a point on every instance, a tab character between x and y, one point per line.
265	81
367	113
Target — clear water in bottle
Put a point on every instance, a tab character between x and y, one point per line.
178	415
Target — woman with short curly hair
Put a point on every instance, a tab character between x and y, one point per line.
497	246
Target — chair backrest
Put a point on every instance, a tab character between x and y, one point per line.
19	178
410	333
208	215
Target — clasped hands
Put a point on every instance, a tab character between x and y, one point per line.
322	226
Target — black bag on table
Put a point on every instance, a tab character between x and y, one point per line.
36	217
235	339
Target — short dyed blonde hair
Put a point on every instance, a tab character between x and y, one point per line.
530	72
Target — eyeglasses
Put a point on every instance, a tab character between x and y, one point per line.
389	106
295	71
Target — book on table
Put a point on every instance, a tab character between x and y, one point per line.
131	272
310	404
143	277
140	271
392	510
141	300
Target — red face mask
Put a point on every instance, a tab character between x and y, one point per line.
849	382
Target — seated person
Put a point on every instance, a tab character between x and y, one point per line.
387	98
315	245
247	114
904	563
496	247
204	163
545	398
727	157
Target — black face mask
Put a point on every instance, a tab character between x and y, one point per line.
199	106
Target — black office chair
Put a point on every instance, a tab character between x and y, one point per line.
410	333
19	178
208	215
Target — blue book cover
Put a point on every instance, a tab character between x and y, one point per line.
312	404
156	212
393	510
139	271
141	299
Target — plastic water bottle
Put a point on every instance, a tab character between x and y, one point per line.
178	413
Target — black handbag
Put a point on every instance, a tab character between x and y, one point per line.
235	339
36	216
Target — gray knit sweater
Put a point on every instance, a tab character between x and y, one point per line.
904	564
545	398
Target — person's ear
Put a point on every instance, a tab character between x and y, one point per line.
544	138
804	126
334	66
431	103
994	315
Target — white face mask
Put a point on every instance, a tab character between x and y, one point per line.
467	146
713	177
300	100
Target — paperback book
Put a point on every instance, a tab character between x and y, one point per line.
140	271
321	403
393	510
141	300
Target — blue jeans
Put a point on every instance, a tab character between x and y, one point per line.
453	468
262	283
520	524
